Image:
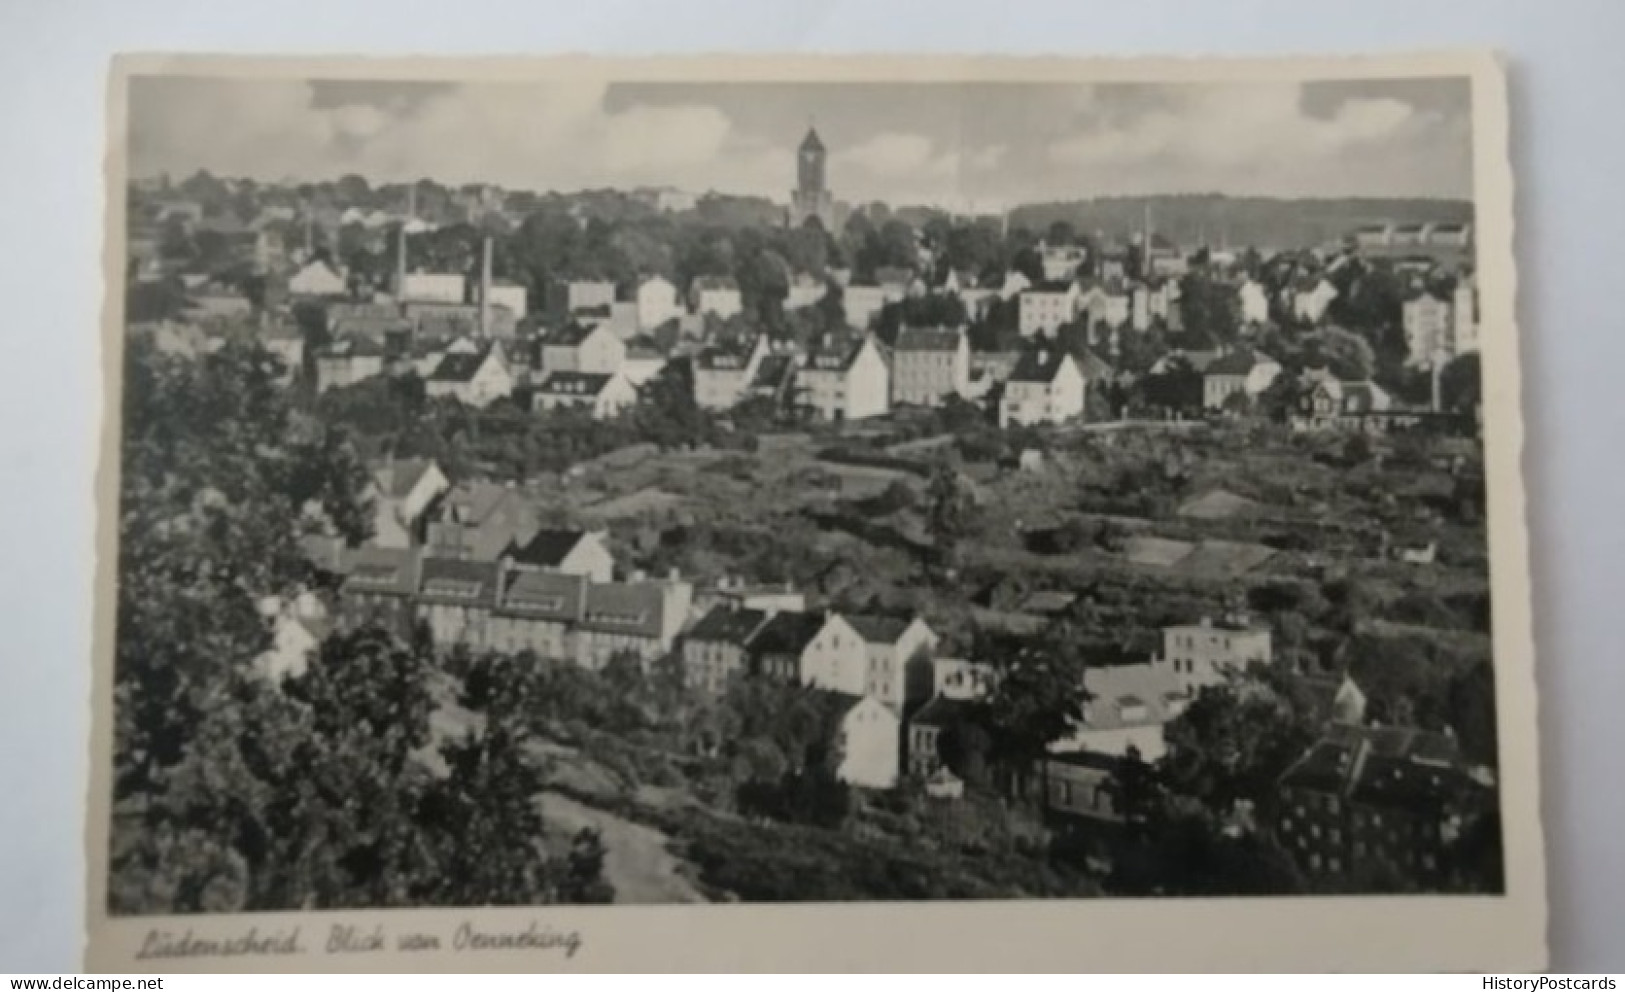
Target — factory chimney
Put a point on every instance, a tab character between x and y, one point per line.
485	289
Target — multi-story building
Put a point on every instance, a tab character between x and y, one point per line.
1372	798
897	653
566	297
1046	307
1046	387
579	347
1209	651
862	303
562	552
722	372
657	302
1255	302
433	287
715	650
718	295
1243	371
479	378
1127	708
401	493
605	395
811	199
1464	316
480	520
845	381
347	361
930	364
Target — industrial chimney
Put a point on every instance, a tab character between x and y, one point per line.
485	290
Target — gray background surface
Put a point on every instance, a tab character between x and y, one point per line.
1568	154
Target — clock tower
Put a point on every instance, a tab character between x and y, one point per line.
810	198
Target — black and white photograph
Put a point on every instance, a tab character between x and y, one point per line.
670	489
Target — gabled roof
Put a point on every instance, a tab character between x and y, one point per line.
1039	365
547	548
387	571
1128	696
788	633
876	629
725	357
728	625
934	339
570	335
396	479
773	371
459	366
473	502
836	357
812	143
635	609
545	596
459	581
1093	366
575	383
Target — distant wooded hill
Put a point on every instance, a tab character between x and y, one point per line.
1238	221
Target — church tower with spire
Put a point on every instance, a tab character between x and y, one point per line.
811	197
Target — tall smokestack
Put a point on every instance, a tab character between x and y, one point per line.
1145	245
485	289
1438	374
400	264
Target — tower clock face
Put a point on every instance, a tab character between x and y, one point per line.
809	156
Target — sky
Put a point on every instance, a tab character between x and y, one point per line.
967	146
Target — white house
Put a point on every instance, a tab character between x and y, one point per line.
401	492
433	287
581	347
1428	329
563	552
930	364
477	378
1312	297
1208	652
317	278
717	295
862	304
868	736
1046	307
1243	371
891	647
510	295
657	302
1128	707
1046	387
722	372
846	382
605	394
1255	302
805	290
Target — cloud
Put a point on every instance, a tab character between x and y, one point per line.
557	136
890	154
1256	138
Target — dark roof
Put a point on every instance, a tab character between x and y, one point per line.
575	383
1038	365
877	629
773	370
459	581
1401	783
941	711
459	366
723	357
787	633
812	142
835	357
546	595
625	608
548	548
570	335
728	625
1325	767
1054	286
929	339
714	282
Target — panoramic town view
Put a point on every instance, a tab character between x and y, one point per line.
814	492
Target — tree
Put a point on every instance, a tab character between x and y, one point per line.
950	513
1461	383
1348	355
233	793
1038	698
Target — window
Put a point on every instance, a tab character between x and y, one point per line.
1332	864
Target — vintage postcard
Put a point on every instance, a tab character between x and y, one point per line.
812	513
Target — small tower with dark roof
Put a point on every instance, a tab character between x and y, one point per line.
811	198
